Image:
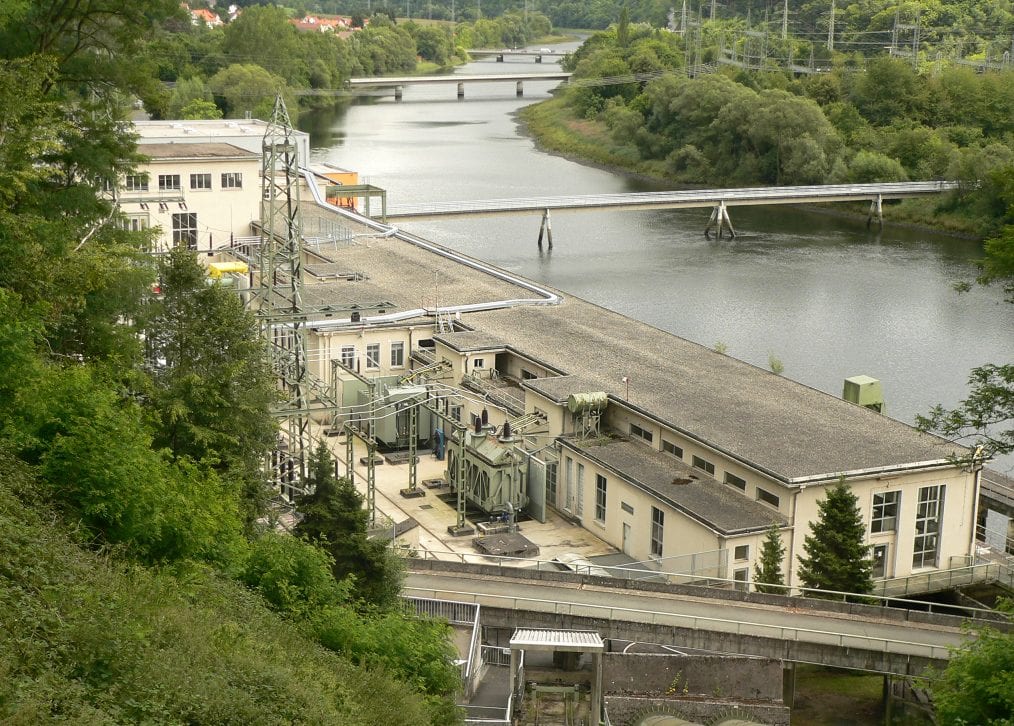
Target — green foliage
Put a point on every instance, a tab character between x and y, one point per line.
977	686
246	88
333	516
836	558
873	166
198	109
89	639
768	570
982	416
293	575
212	386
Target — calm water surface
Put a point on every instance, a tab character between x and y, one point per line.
818	292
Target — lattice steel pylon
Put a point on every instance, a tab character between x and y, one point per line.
279	299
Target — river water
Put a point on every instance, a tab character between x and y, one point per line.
819	293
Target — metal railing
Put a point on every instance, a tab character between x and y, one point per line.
457	613
725	626
998	573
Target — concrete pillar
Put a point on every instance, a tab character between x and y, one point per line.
499	58
521	88
788	683
538	59
397	93
595	707
514	670
461	90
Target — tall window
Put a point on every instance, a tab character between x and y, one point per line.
232	180
551	468
185	230
373	355
349	356
168	182
600	498
657	527
397	354
200	181
885	512
569	484
136	183
928	511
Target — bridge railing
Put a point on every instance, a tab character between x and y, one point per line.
886	592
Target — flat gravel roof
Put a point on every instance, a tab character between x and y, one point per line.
767	421
687	489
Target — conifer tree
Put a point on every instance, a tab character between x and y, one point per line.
768	570
334	518
836	556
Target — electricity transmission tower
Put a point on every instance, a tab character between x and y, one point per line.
279	293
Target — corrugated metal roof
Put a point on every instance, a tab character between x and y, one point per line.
584	641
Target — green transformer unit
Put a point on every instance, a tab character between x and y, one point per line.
864	391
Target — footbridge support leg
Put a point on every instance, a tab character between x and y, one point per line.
397	93
876	212
461	90
546	229
719	218
521	89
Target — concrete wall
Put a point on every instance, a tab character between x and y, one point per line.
673	676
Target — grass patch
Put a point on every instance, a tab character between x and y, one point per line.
833	697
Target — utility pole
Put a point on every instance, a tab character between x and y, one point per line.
785	20
830	29
713	5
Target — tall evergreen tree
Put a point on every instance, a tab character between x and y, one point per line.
768	570
836	557
333	516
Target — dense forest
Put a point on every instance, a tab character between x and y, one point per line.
141	579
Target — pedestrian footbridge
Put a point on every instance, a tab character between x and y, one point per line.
718	199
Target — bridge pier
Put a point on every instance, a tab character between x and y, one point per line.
719	217
876	212
788	683
521	88
461	90
546	228
397	93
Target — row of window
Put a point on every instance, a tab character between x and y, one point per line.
704	465
172	182
397	355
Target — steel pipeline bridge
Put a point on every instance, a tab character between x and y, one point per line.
864	637
718	199
399	82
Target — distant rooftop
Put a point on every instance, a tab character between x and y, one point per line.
182	151
582	641
687	489
470	341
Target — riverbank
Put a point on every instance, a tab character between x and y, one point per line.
556	130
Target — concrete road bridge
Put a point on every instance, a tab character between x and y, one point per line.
399	82
718	199
804	630
502	55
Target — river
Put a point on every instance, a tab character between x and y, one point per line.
818	292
